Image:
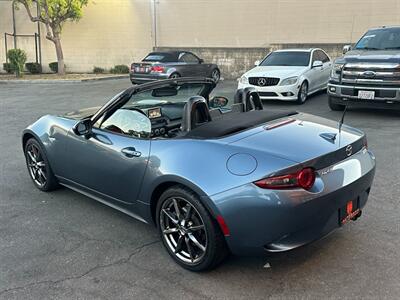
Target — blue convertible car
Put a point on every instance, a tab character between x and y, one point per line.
214	180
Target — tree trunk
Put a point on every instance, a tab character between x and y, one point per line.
60	55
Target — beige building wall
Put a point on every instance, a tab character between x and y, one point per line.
259	23
120	31
111	32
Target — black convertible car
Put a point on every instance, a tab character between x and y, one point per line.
172	64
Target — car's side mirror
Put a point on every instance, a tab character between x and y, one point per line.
346	49
83	127
218	101
201	61
317	64
256	63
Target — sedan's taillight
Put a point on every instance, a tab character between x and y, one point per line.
158	69
304	179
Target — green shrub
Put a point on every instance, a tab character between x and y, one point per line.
120	69
17	59
98	70
8	68
33	67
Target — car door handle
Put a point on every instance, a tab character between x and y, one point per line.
131	152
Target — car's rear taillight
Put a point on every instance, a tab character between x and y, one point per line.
304	179
158	69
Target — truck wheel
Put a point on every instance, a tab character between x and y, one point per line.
334	106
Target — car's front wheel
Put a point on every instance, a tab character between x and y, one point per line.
39	167
190	234
303	93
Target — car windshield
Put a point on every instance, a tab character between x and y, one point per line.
287	58
160	57
380	39
167	94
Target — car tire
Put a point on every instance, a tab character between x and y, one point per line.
216	75
197	249
335	106
303	93
174	75
38	166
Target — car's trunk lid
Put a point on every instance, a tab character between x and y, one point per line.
305	139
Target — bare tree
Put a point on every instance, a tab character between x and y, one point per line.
53	14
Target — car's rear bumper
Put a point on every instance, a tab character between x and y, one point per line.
277	92
280	220
138	78
387	97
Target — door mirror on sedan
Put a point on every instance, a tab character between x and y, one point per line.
201	61
256	63
83	127
346	48
317	64
218	101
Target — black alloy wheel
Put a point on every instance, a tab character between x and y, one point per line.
189	233
38	166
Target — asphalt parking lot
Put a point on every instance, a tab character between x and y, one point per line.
63	245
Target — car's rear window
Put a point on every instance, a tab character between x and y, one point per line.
160	57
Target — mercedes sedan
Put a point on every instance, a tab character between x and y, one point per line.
290	75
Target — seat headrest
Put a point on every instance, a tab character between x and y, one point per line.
249	98
195	112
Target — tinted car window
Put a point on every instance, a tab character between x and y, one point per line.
323	57
190	58
315	56
160	57
380	39
289	58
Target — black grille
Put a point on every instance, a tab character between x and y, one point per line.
267	94
259	81
378	93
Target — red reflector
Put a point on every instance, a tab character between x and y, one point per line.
222	224
365	143
349	207
157	69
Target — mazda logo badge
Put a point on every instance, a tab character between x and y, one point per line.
369	74
349	150
262	81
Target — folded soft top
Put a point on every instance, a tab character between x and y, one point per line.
234	122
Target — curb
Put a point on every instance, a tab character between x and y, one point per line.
41	81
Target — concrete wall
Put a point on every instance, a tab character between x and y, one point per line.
111	32
259	23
